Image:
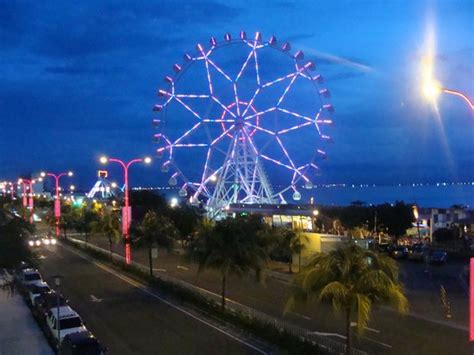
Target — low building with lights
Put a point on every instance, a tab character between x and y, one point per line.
298	217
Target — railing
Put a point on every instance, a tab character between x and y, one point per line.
324	341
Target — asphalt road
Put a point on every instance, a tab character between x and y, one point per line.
389	332
131	320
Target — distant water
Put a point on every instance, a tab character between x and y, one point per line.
425	196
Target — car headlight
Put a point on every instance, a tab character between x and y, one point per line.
31	243
53	241
46	241
38	242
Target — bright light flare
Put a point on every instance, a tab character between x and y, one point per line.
103	160
147	160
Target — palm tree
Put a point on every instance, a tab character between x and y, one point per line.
292	242
229	248
84	222
157	230
297	245
351	279
109	225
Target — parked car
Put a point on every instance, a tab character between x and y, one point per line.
37	290
69	322
439	257
80	344
385	248
28	277
45	302
416	252
400	252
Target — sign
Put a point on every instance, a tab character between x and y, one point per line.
154	253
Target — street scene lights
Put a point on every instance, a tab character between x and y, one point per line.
126	210
57	200
432	88
27	184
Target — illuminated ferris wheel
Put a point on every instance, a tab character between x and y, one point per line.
240	121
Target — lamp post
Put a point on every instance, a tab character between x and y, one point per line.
432	89
126	210
57	282
57	200
28	183
3	187
416	215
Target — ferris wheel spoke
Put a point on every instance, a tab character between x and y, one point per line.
286	90
278	80
285	152
222	135
188	108
223	106
252	52
187	133
237	101
258	128
261	113
192	96
219	69
249	105
283	131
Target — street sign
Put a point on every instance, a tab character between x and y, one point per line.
154	253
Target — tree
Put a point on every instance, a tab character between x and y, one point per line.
229	248
109	225
351	279
290	242
13	234
157	231
85	221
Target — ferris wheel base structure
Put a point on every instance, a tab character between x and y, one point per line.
242	178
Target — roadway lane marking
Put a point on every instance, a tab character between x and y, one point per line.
300	315
143	288
95	299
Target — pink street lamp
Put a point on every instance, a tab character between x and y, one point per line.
127	209
3	187
432	89
27	184
57	200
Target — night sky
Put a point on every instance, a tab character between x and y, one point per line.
79	79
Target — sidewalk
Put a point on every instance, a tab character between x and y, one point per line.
20	334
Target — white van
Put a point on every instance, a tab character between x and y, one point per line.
69	322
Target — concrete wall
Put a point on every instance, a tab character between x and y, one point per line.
317	243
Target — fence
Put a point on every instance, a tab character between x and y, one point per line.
323	340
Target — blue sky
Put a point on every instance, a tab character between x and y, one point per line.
79	79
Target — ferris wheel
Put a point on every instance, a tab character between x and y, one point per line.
241	121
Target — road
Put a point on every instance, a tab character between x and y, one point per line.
131	319
389	332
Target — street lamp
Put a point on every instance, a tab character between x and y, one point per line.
57	282
126	210
57	200
432	88
416	215
28	197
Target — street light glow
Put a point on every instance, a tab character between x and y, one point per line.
103	160
315	212
43	174
147	160
70	173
